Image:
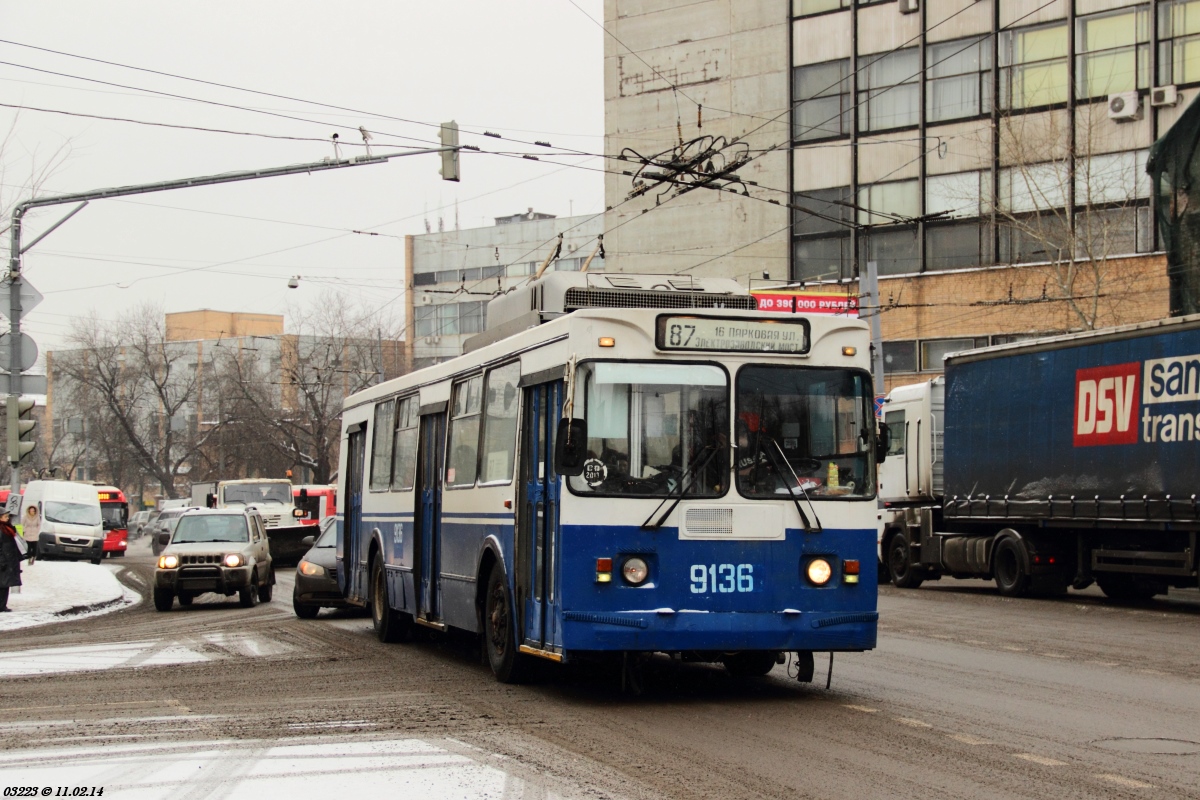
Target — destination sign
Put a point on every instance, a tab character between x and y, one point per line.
729	334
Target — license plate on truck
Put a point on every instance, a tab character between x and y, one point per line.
69	549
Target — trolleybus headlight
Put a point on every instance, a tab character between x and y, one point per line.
233	560
819	571
168	562
635	571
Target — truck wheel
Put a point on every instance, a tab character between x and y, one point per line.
750	663
1008	567
903	572
390	625
499	631
1128	588
163	599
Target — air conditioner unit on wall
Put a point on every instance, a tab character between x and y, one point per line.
1164	96
1124	107
427	299
910	6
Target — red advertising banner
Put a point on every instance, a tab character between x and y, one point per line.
806	302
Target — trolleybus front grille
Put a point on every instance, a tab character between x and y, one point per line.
709	521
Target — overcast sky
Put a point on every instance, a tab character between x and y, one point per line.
528	69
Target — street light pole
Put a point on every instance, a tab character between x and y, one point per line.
19	211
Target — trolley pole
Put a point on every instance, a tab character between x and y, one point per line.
19	211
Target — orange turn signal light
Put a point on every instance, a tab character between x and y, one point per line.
603	570
608	341
850	570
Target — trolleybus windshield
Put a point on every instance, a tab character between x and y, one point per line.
803	428
654	427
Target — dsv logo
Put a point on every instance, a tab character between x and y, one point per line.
1106	404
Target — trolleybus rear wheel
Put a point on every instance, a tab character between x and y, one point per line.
499	634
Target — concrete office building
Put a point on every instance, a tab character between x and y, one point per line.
455	273
988	155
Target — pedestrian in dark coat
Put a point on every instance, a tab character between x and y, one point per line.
10	559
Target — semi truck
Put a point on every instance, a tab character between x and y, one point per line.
273	500
1049	464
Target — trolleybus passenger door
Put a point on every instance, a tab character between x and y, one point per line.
428	516
350	578
537	550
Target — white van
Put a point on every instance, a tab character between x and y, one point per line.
71	525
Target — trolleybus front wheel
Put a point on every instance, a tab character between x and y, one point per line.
390	625
499	635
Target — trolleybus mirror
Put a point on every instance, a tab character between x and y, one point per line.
883	443
570	448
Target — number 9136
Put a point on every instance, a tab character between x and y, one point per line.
722	578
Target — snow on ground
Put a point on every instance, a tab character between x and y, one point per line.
403	768
60	591
111	655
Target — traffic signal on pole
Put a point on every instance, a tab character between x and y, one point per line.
449	138
20	428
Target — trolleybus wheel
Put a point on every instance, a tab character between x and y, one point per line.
499	632
1008	567
903	572
390	625
750	663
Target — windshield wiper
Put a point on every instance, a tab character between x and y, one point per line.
808	527
694	471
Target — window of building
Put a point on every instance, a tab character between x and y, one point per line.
1033	66
447	319
822	99
1034	187
1111	178
404	448
424	279
960	79
934	351
957	245
890	93
822	259
381	446
822	211
1035	238
895	252
500	424
881	203
517	270
1179	42
425	317
1105	232
900	356
470	317
806	8
1113	52
465	406
959	194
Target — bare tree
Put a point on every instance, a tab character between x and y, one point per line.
293	399
148	388
17	185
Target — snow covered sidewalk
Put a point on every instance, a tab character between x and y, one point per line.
59	591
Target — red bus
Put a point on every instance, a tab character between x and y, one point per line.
114	510
318	502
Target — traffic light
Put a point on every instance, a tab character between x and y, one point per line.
20	428
449	138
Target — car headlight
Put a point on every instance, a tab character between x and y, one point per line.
234	560
819	571
168	562
310	569
635	571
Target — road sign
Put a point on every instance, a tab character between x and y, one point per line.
30	384
30	297
29	351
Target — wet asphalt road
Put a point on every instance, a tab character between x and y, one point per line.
968	695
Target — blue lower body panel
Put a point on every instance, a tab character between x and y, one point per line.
721	631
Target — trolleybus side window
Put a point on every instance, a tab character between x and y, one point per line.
381	446
654	429
500	424
462	457
404	449
804	429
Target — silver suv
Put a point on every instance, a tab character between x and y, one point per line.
214	550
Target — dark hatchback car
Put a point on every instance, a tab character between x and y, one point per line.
316	575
